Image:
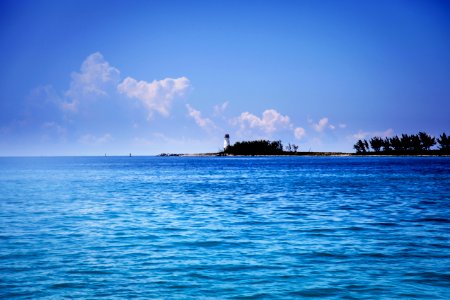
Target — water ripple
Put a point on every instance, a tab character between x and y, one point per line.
232	228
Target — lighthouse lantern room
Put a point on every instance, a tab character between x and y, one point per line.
226	141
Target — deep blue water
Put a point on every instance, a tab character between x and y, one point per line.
238	228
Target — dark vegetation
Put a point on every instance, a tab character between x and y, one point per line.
262	147
414	144
259	147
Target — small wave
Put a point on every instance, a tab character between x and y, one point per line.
181	286
67	285
429	278
201	244
385	224
199	276
355	228
442	246
254	296
237	268
89	272
316	292
322	230
330	255
377	255
427	202
435	220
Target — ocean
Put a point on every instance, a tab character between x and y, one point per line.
225	227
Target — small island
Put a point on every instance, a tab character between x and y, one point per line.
411	145
259	148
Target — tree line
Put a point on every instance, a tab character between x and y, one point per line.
259	147
421	143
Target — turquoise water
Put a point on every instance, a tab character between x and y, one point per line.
237	228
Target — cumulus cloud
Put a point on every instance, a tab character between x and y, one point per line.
157	95
320	126
270	121
204	123
94	78
299	133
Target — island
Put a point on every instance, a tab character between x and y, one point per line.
259	148
410	145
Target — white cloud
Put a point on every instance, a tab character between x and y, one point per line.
299	133
365	134
387	133
270	121
219	109
320	126
360	135
204	123
324	123
157	95
90	139
95	76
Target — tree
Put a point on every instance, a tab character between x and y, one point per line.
395	143
366	146
360	146
426	140
376	143
416	143
387	145
405	142
295	148
444	143
260	147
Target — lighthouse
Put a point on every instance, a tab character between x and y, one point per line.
226	141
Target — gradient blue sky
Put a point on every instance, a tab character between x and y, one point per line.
95	77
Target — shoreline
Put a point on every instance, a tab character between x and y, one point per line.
311	154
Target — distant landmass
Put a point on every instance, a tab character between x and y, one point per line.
260	148
412	145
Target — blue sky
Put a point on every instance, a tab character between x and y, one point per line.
95	77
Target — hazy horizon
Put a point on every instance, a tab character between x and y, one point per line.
95	77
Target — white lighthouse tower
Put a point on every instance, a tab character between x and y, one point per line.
226	141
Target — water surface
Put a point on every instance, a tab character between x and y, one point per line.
234	228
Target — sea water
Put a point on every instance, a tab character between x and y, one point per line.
225	228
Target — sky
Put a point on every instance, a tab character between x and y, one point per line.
148	77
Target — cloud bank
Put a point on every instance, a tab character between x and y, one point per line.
96	102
